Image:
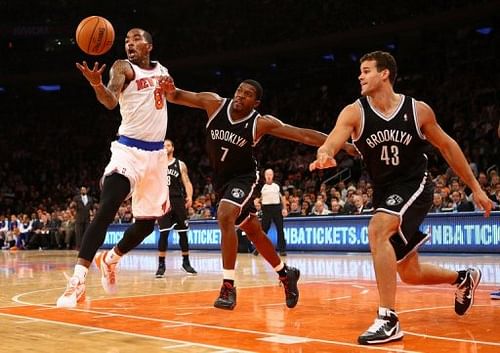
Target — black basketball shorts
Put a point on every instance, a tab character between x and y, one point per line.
240	192
176	217
410	201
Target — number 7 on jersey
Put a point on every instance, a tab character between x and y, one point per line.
224	153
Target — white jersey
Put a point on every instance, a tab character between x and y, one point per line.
270	194
142	106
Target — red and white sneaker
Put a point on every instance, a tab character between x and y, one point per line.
74	293
108	273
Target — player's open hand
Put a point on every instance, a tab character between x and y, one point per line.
94	75
483	202
167	84
323	161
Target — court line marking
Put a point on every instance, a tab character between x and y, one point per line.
175	325
26	321
358	286
103	316
218	348
230	329
337	298
452	339
488	343
91	332
440	307
15	298
177	346
330	281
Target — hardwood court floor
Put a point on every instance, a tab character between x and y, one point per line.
338	299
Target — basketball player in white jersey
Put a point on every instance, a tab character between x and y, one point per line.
138	165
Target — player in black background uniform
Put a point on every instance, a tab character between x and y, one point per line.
233	128
181	197
389	130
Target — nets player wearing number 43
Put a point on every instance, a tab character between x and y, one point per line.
138	165
391	131
234	127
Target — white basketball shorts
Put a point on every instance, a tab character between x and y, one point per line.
147	173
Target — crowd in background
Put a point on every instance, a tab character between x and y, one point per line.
60	140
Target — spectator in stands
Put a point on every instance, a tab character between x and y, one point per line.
496	197
67	231
191	214
25	227
319	209
4	227
40	238
359	206
349	207
258	207
342	190
494	180
460	203
367	202
206	214
336	207
483	180
305	208
437	204
294	209
13	234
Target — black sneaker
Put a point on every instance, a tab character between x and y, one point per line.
186	266
255	252
282	253
227	297
464	295
384	329
161	270
290	284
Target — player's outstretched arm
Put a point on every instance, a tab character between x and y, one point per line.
207	101
268	124
451	152
119	73
337	139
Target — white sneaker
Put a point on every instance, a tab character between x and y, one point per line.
108	273
74	293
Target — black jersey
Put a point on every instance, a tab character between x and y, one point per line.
393	148
230	144
174	180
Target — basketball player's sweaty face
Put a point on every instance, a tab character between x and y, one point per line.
136	46
370	78
245	98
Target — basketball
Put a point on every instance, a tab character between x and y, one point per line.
95	35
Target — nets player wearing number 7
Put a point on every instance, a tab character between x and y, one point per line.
138	165
234	127
391	132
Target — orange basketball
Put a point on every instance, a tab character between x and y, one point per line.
95	35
